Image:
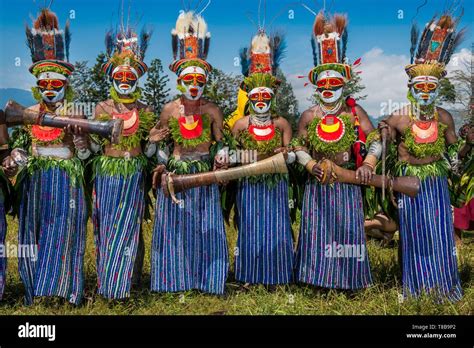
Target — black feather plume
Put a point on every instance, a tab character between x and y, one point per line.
314	46
174	45
109	42
244	61
344	39
207	43
30	42
67	40
145	36
454	44
424	40
279	50
414	41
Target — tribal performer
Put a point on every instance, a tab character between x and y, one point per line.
425	132
265	243
189	247
52	210
119	196
331	250
9	169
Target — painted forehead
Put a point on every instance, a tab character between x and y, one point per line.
425	79
261	90
193	70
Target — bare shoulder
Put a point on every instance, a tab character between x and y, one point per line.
169	107
210	106
308	114
104	106
444	115
142	106
281	122
360	110
241	124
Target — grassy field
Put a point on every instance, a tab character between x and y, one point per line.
381	298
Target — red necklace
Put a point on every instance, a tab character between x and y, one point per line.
262	133
330	129
45	133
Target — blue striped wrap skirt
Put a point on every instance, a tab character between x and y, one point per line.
264	252
428	247
332	251
189	246
52	236
118	209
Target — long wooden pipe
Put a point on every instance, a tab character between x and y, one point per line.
409	185
16	114
172	183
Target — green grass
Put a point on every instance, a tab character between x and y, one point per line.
381	298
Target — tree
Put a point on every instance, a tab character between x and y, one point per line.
354	87
99	89
222	89
447	92
81	81
286	102
156	91
462	82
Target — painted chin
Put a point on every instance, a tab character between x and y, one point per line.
193	92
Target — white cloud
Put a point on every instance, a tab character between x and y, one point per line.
384	79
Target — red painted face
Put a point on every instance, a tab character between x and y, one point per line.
425	87
50	84
194	79
330	83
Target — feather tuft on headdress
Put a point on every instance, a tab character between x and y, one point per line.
244	61
319	24
339	23
47	20
278	50
145	36
414	40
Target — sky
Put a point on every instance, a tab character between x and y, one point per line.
379	33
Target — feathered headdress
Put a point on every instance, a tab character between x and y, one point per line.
125	48
190	42
49	45
329	42
435	48
261	61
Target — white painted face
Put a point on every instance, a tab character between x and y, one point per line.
329	86
125	79
193	79
424	89
261	99
52	86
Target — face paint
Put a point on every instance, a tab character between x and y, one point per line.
194	85
424	89
193	79
52	90
329	86
261	99
125	80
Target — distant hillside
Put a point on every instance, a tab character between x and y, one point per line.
21	96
